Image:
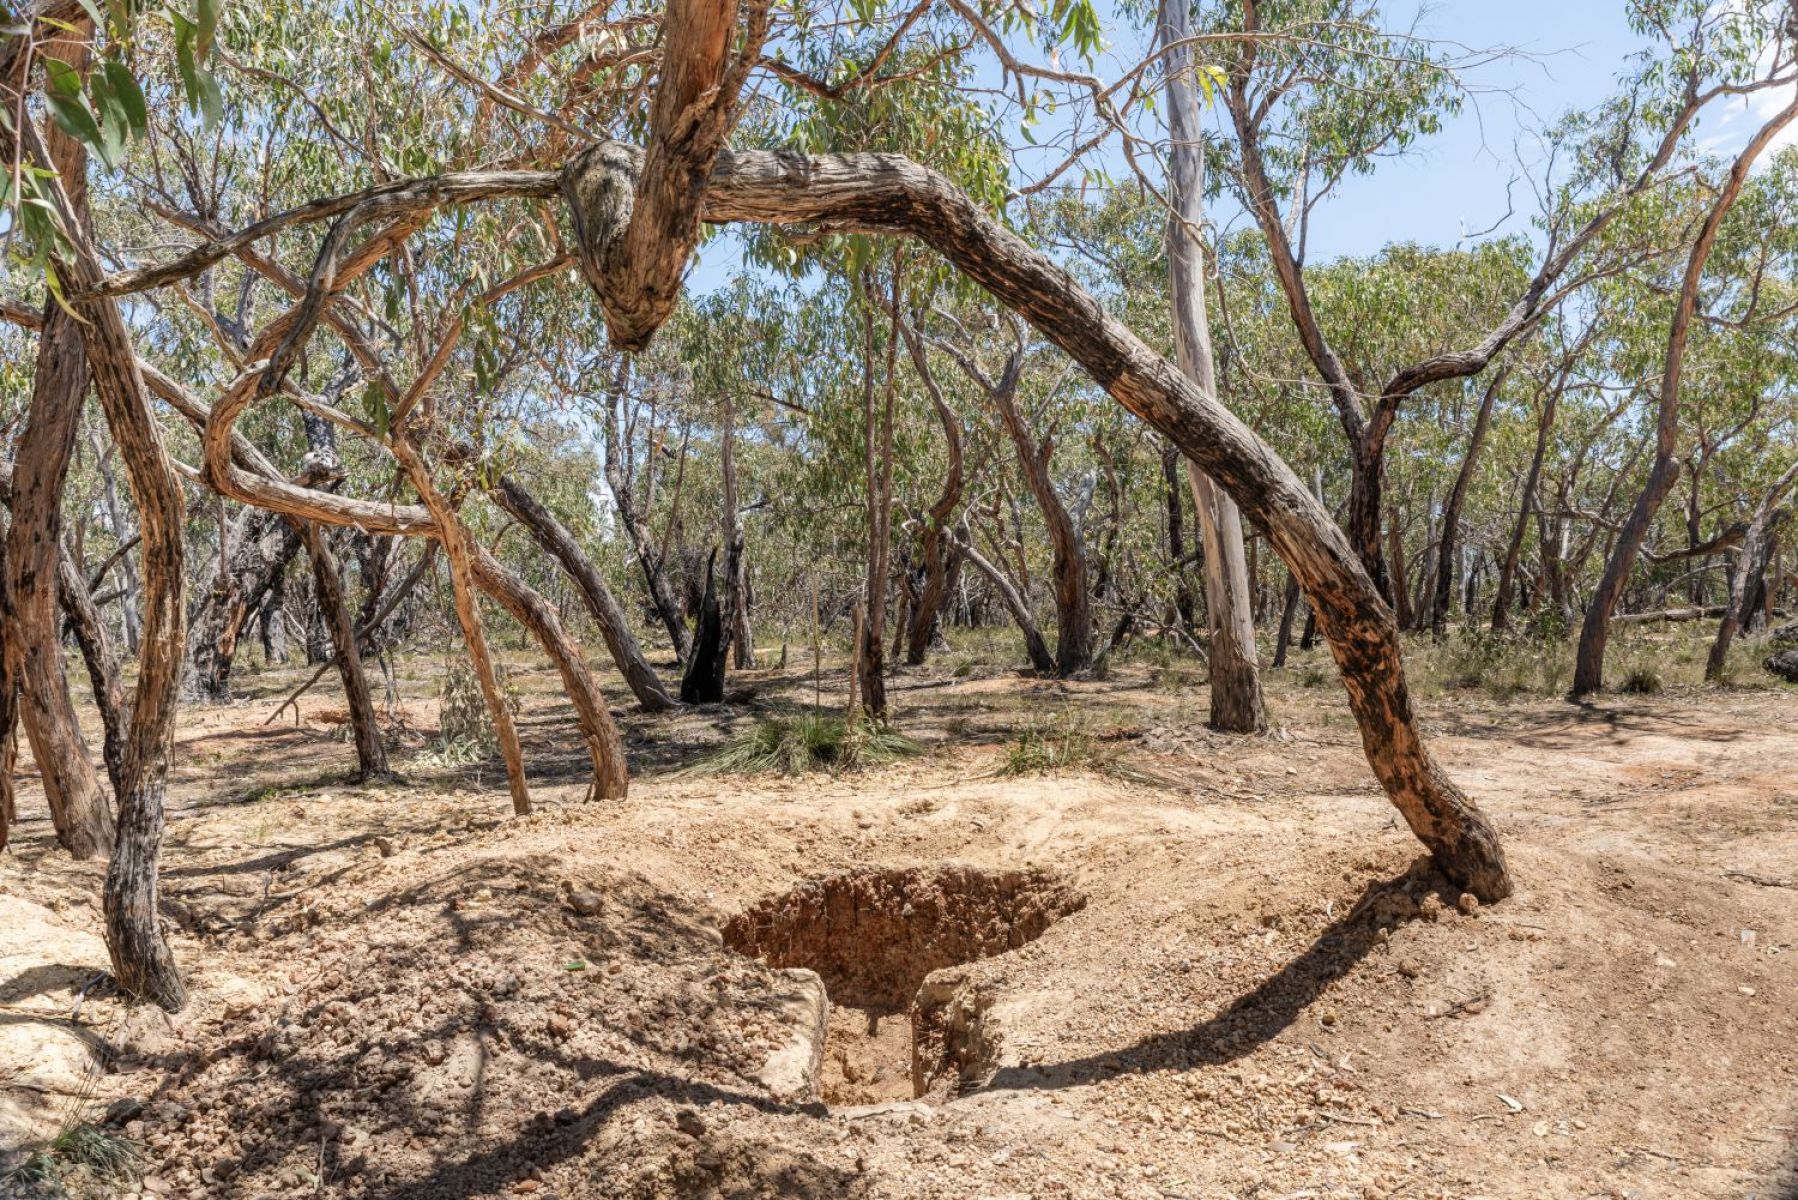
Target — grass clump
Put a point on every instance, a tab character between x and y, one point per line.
82	1150
1642	681
1045	746
808	742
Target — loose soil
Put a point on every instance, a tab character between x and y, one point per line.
1206	967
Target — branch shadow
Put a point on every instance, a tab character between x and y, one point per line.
1249	1022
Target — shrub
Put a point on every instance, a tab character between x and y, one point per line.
465	731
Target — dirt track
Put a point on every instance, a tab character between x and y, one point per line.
1264	994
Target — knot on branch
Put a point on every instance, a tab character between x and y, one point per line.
599	186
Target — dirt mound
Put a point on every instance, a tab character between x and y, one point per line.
473	1034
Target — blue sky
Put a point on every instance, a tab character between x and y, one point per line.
1569	54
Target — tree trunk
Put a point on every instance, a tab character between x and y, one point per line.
34	660
1068	570
272	620
1397	587
453	536
142	961
1750	570
1451	516
215	631
643	543
1288	610
1507	574
878	460
925	613
1034	645
334	612
703	680
736	559
1172	491
102	665
1588	671
1235	676
555	540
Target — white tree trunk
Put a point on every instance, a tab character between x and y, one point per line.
1235	676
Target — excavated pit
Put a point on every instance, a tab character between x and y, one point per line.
900	1024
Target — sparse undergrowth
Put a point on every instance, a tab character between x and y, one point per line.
805	743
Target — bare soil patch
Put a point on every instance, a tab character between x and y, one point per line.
400	992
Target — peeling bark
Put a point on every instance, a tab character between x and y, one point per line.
1235	675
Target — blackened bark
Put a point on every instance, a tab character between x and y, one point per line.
703	680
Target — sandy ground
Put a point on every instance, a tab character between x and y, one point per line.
1261	992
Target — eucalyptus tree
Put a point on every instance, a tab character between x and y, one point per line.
1235	681
1766	61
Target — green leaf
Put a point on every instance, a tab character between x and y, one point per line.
69	109
375	406
129	95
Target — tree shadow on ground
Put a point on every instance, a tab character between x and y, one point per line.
1574	726
1252	1020
467	927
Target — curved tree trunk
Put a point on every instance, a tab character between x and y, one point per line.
142	962
556	541
334	611
1034	645
456	542
1588	669
84	622
34	661
611	779
1068	571
886	194
935	587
